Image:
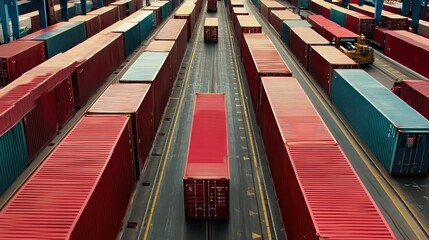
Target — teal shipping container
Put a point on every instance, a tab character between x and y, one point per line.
395	133
13	155
166	8
287	25
257	4
131	35
338	16
145	21
63	38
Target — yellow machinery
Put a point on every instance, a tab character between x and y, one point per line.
356	49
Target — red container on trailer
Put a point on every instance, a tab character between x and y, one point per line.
278	16
175	30
108	15
212	6
18	57
409	49
323	60
303	157
333	33
187	12
260	59
92	23
166	46
206	177
136	101
157	14
319	23
210	29
380	35
82	190
300	41
97	58
246	24
416	94
268	6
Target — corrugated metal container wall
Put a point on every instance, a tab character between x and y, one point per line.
323	60
175	30
395	133
320	7
152	67
260	59
300	41
92	24
131	35
156	15
13	155
416	94
108	15
211	29
145	20
380	36
268	6
135	100
278	16
65	101
238	11
187	12
86	204
235	4
361	24
302	152
246	24
166	46
319	23
288	25
206	177
212	6
35	20
17	57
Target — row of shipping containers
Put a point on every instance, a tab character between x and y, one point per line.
301	150
99	161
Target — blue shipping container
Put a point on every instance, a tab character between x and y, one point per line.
131	34
145	20
396	134
287	25
338	17
13	155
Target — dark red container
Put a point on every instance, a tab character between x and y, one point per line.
108	15
82	190
246	24
334	33
320	7
136	101
300	41
35	20
388	20
360	24
238	11
157	14
175	30
166	46
303	156
319	23
278	16
268	6
125	7
379	36
409	49
206	177
416	94
323	60
18	57
97	58
189	13
260	59
65	101
92	23
210	30
211	5
393	8
234	4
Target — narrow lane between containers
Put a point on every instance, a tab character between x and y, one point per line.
396	210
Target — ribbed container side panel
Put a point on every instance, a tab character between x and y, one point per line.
65	101
13	155
361	25
145	20
395	133
246	24
108	15
87	182
156	15
288	25
319	23
338	16
416	94
131	35
380	36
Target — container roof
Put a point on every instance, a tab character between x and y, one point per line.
171	29
240	10
146	67
322	21
309	36
286	15
333	55
16	47
272	4
341	32
139	16
213	22
247	21
160	46
421	86
126	26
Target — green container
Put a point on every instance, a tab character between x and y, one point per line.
338	16
13	155
131	34
395	133
145	21
303	3
63	38
287	25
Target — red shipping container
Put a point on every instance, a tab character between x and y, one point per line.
198	5
18	57
187	12
300	41
360	24
108	15
97	57
379	36
320	7
416	94
246	24
35	20
175	30
65	101
212	6
157	14
333	33
41	31
323	60
388	20
319	23
238	11
210	30
92	23
82	190
206	177
268	5
125	7
234	4
303	156
166	46
393	8
278	16
136	101
409	49
260	59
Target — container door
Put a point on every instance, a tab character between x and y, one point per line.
412	154
195	199
218	199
